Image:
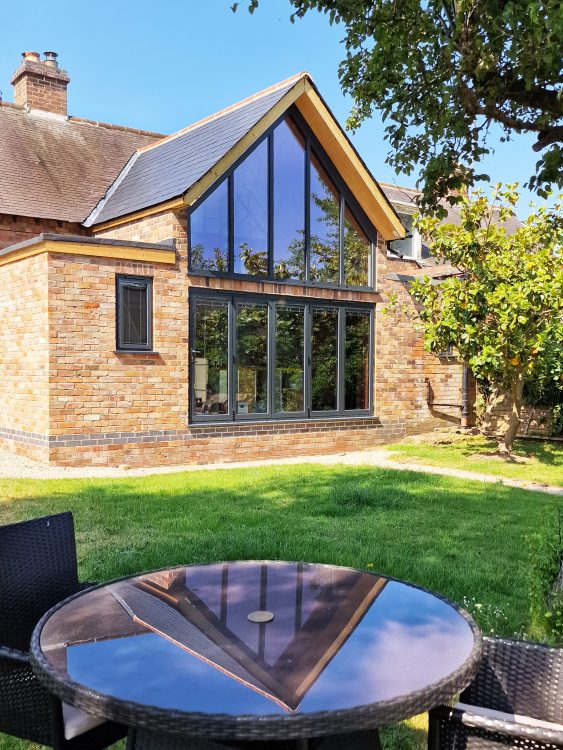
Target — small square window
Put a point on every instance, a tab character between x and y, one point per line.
134	313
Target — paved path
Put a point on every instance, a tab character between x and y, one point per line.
12	466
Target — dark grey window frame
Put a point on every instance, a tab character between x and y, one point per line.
147	282
308	305
346	199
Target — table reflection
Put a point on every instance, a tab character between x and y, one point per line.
182	638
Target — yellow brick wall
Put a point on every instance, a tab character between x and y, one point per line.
24	358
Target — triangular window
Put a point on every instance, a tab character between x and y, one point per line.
283	213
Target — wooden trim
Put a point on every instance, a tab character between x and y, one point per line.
92	250
150	211
347	162
197	190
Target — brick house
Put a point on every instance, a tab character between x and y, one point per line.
211	295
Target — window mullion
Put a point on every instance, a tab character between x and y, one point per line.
231	219
341	349
271	217
232	364
307	248
271	356
342	216
308	394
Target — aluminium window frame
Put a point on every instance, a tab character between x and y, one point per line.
235	299
120	281
346	199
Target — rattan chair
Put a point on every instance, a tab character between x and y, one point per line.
516	700
37	570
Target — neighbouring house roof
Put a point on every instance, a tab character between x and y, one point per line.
404	197
54	167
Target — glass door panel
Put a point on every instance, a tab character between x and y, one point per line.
252	359
289	370
356	360
210	371
324	359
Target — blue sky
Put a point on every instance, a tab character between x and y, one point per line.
163	67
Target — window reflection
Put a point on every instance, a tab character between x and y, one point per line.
324	359
250	184
210	370
248	232
210	232
357	252
325	226
290	340
252	359
356	363
289	202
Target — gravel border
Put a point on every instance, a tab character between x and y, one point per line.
13	466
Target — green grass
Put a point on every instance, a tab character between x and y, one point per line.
459	538
533	462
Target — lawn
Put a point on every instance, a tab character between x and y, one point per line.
540	462
463	539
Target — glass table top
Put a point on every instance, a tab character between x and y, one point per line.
256	638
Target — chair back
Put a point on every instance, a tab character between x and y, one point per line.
519	677
37	570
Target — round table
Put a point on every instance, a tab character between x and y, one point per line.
256	652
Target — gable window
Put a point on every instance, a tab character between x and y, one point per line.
410	246
283	213
278	358
134	313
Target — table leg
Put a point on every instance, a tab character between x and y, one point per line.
144	740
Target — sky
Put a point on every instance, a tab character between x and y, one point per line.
163	66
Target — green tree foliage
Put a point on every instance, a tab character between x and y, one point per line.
504	313
440	71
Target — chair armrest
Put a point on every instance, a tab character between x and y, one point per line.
478	718
14	655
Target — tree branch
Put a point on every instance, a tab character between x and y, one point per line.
547	137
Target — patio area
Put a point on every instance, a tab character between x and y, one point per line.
464	540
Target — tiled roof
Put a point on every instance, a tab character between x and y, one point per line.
53	167
403	195
170	167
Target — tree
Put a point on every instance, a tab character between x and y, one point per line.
440	71
503	313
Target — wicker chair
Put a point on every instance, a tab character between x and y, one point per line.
38	569
516	700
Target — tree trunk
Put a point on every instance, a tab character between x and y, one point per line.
490	404
516	391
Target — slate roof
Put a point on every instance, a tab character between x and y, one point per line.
52	167
172	166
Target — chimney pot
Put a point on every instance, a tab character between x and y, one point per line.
31	56
51	59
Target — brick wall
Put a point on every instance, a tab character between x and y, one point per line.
15	229
403	369
24	394
536	420
98	406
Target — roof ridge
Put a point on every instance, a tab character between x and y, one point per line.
399	187
112	126
226	110
85	121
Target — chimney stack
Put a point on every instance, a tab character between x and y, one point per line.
41	84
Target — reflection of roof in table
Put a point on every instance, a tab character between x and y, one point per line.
204	611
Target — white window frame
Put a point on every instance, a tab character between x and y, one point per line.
409	210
